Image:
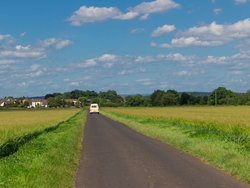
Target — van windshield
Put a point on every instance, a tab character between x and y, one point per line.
94	106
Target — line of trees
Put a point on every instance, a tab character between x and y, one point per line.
79	98
219	96
84	98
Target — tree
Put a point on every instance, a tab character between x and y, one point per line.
222	96
184	99
156	98
136	100
171	97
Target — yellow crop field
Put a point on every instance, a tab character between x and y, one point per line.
17	123
226	115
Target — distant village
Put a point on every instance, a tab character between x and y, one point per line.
33	102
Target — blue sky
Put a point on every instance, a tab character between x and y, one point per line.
129	46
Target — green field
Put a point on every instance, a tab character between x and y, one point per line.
46	147
219	136
19	122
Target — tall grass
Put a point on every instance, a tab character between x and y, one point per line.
49	160
225	146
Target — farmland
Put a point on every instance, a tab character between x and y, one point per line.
45	142
17	123
219	136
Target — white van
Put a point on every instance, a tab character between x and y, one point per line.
94	108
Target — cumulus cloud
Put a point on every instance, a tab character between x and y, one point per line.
23	53
107	58
211	35
93	14
56	43
98	14
163	30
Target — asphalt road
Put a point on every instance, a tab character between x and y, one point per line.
115	156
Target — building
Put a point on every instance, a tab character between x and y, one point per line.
2	103
38	103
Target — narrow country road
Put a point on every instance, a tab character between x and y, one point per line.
115	156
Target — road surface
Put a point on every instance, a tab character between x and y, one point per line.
115	156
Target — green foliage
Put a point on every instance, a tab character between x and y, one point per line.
138	100
57	101
222	96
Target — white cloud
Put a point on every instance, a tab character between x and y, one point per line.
183	73
137	30
145	82
153	44
30	53
56	43
127	16
22	34
8	61
217	11
107	58
211	35
93	14
240	1
88	63
20	47
156	6
163	30
5	37
144	59
98	14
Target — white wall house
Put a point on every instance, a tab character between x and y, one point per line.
35	104
1	104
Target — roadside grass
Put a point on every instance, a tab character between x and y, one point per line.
225	147
16	123
49	160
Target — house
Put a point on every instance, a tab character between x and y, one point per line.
2	103
36	103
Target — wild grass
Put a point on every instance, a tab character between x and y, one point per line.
49	160
16	123
220	142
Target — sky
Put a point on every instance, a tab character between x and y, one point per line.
131	46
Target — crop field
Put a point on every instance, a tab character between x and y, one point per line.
17	123
40	148
219	136
234	115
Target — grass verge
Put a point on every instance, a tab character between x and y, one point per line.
225	149
49	160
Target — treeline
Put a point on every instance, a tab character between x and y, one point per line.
84	98
220	96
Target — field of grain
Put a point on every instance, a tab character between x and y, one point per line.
17	123
228	115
